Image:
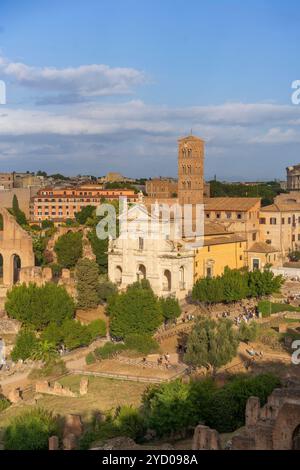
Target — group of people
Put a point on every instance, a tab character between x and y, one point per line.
246	317
164	360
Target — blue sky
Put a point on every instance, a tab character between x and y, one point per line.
107	85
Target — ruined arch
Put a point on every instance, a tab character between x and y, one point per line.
15	247
16	265
141	272
167	280
296	439
287	427
118	275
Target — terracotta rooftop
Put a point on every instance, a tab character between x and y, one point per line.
213	228
262	247
225	240
282	207
242	204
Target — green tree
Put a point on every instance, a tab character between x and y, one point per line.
47	224
30	430
19	215
141	343
26	344
75	334
85	213
106	290
44	351
97	329
166	407
68	249
53	334
39	306
248	332
135	311
87	276
170	308
99	248
211	344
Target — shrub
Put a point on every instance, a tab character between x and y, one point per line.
39	306
85	213
68	249
248	332
97	329
141	343
226	408
26	343
4	403
53	333
170	308
130	422
53	368
106	290
30	431
75	334
47	224
90	358
166	407
109	350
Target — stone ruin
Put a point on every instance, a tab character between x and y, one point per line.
206	439
72	431
275	426
44	387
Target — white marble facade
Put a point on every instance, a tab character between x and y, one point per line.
144	252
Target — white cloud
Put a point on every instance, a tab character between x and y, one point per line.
84	81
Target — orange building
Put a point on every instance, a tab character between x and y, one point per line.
60	204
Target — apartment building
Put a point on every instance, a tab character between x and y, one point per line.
60	204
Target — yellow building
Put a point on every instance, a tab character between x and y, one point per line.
221	248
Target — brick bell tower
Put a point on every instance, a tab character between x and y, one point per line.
190	170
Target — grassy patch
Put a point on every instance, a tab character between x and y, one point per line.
267	308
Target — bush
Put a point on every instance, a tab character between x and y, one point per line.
68	249
130	423
85	213
177	406
90	358
166	407
248	332
53	333
97	329
226	408
75	334
30	431
39	306
141	343
47	224
136	311
53	368
106	290
26	344
4	403
109	350
170	308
